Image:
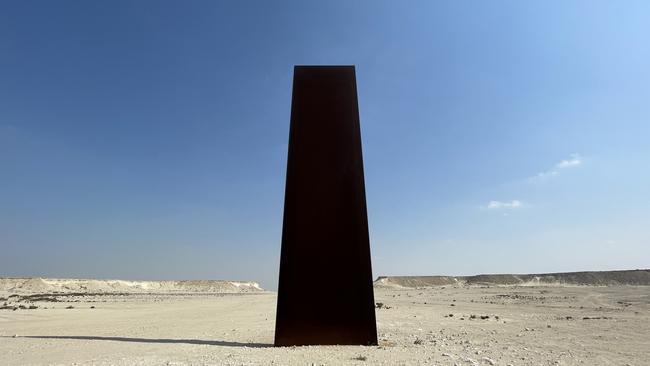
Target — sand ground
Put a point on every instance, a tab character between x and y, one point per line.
520	326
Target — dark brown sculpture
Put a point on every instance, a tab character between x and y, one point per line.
325	293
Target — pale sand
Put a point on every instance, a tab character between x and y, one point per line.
237	329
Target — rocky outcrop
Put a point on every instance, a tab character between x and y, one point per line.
639	277
56	285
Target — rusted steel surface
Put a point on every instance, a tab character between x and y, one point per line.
325	293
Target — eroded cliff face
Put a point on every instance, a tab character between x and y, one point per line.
59	285
640	277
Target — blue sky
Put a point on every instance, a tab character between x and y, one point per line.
148	139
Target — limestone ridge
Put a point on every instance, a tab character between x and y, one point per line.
58	285
638	277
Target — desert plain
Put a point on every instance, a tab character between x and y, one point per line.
420	320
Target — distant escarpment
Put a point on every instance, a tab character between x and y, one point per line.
639	277
57	285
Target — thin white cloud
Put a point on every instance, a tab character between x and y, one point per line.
546	174
499	205
572	162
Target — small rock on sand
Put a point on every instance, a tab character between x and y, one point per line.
488	360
